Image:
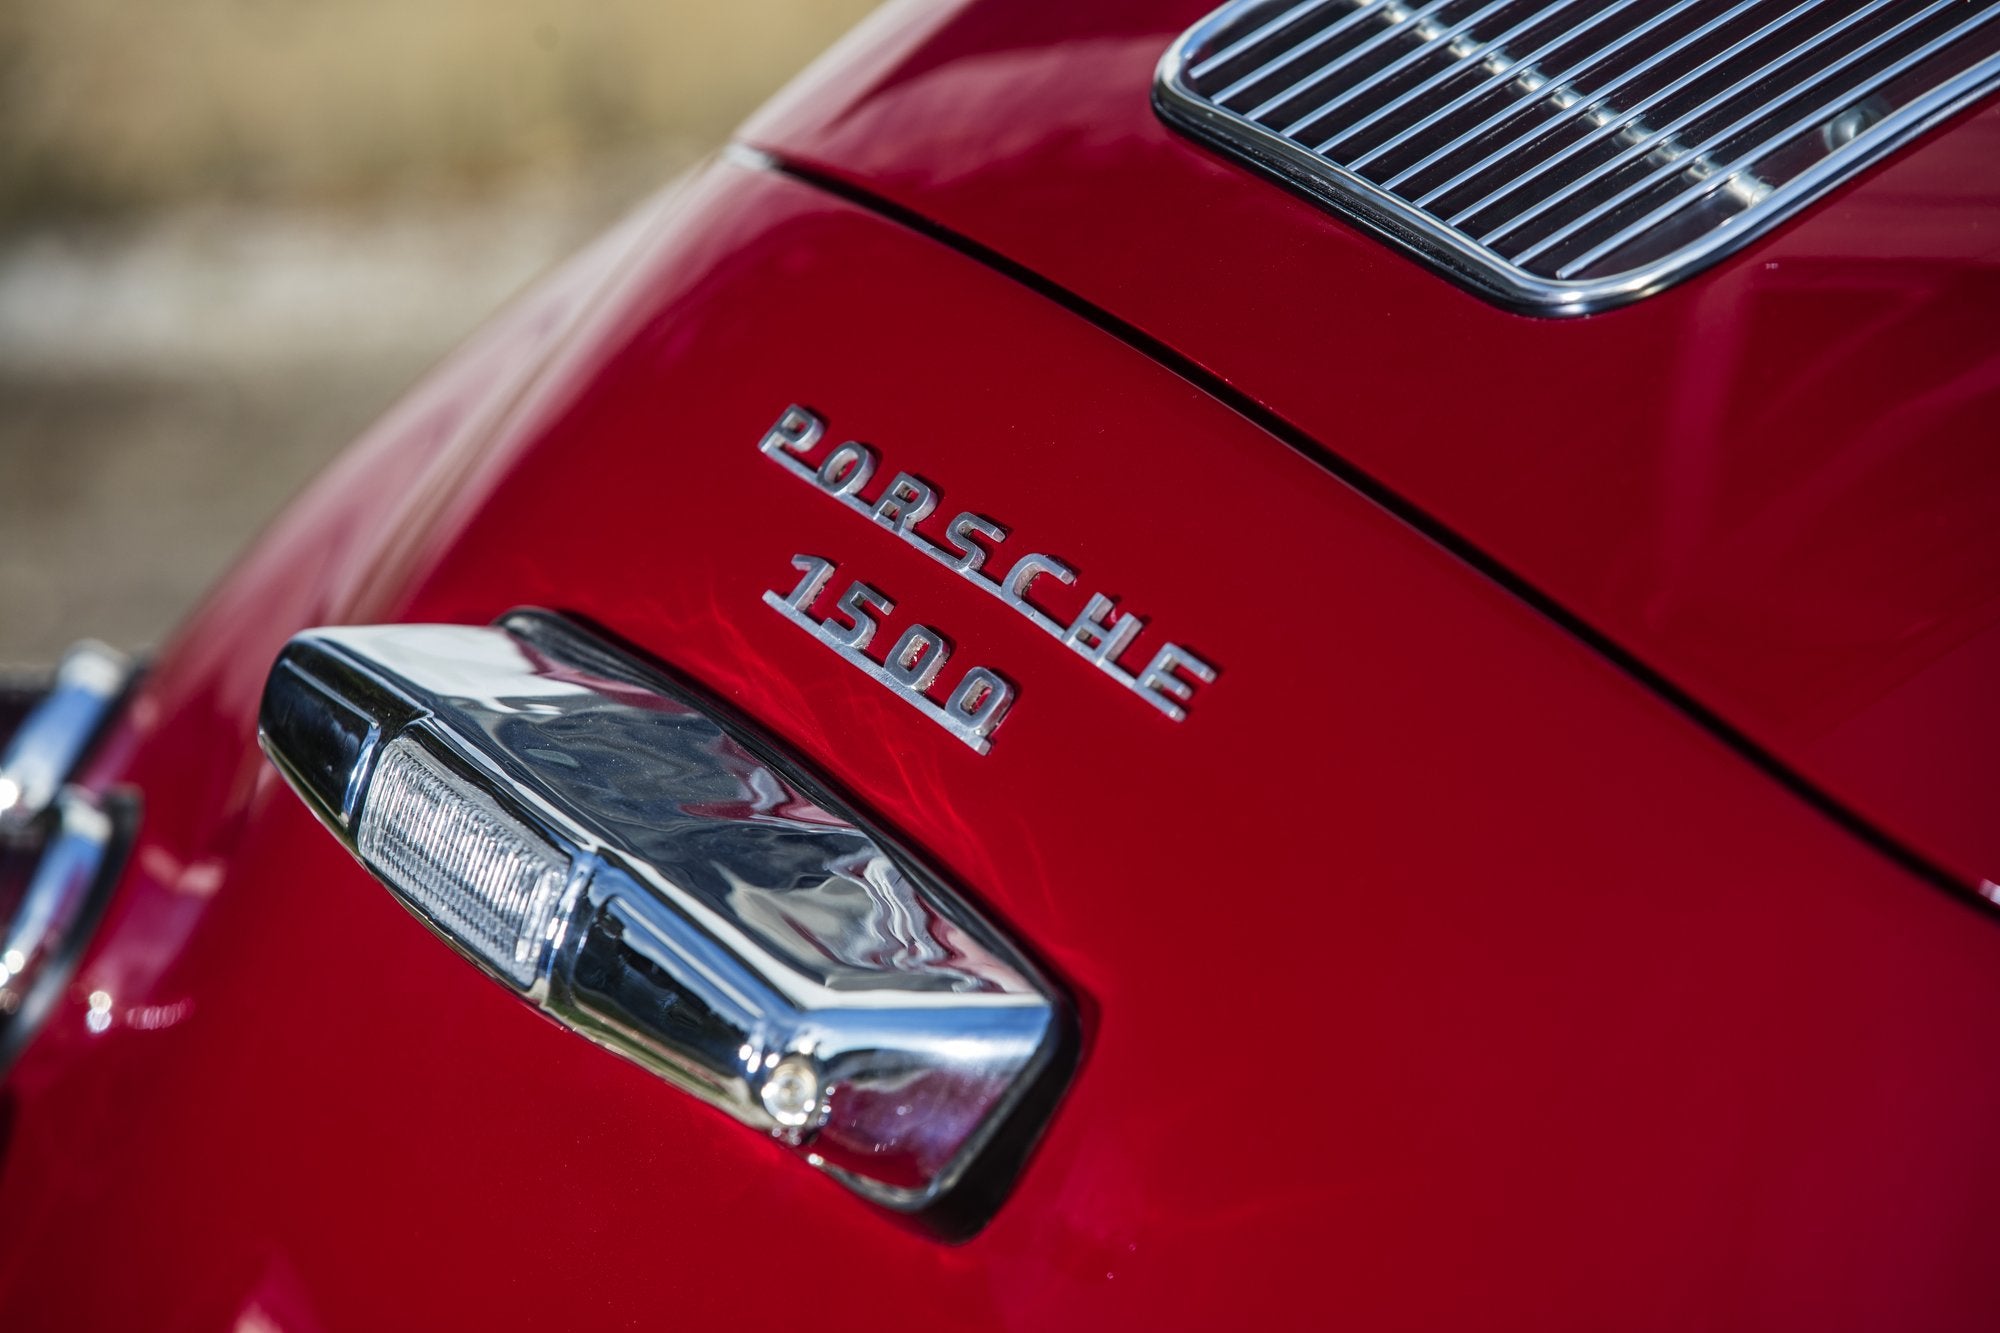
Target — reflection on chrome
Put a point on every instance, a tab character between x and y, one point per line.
591	835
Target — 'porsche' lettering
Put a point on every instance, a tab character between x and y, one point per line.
1098	632
1014	588
971	555
905	503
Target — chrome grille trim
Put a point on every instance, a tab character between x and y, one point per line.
1567	156
1478	90
1609	124
1639	151
1581	106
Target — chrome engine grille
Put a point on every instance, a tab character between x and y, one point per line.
1564	157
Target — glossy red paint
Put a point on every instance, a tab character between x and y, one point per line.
1776	484
1434	973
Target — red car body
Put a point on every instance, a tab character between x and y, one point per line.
1562	910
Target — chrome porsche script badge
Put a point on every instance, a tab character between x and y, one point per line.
1097	633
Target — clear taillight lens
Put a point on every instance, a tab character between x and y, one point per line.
448	847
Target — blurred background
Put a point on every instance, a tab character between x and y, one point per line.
232	231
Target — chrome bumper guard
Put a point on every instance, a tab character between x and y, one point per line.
60	845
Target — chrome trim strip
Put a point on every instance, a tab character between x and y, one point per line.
678	895
1560	283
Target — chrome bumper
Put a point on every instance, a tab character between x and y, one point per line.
60	845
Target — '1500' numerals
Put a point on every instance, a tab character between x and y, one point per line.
975	706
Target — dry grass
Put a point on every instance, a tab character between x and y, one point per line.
129	104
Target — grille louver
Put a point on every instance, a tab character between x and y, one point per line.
1562	157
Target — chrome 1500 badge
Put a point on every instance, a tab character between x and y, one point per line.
976	704
981	698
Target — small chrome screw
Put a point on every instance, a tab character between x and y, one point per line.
791	1093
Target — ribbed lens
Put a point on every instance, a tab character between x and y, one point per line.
448	847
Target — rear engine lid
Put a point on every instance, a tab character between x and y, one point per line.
1773	484
1420	931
